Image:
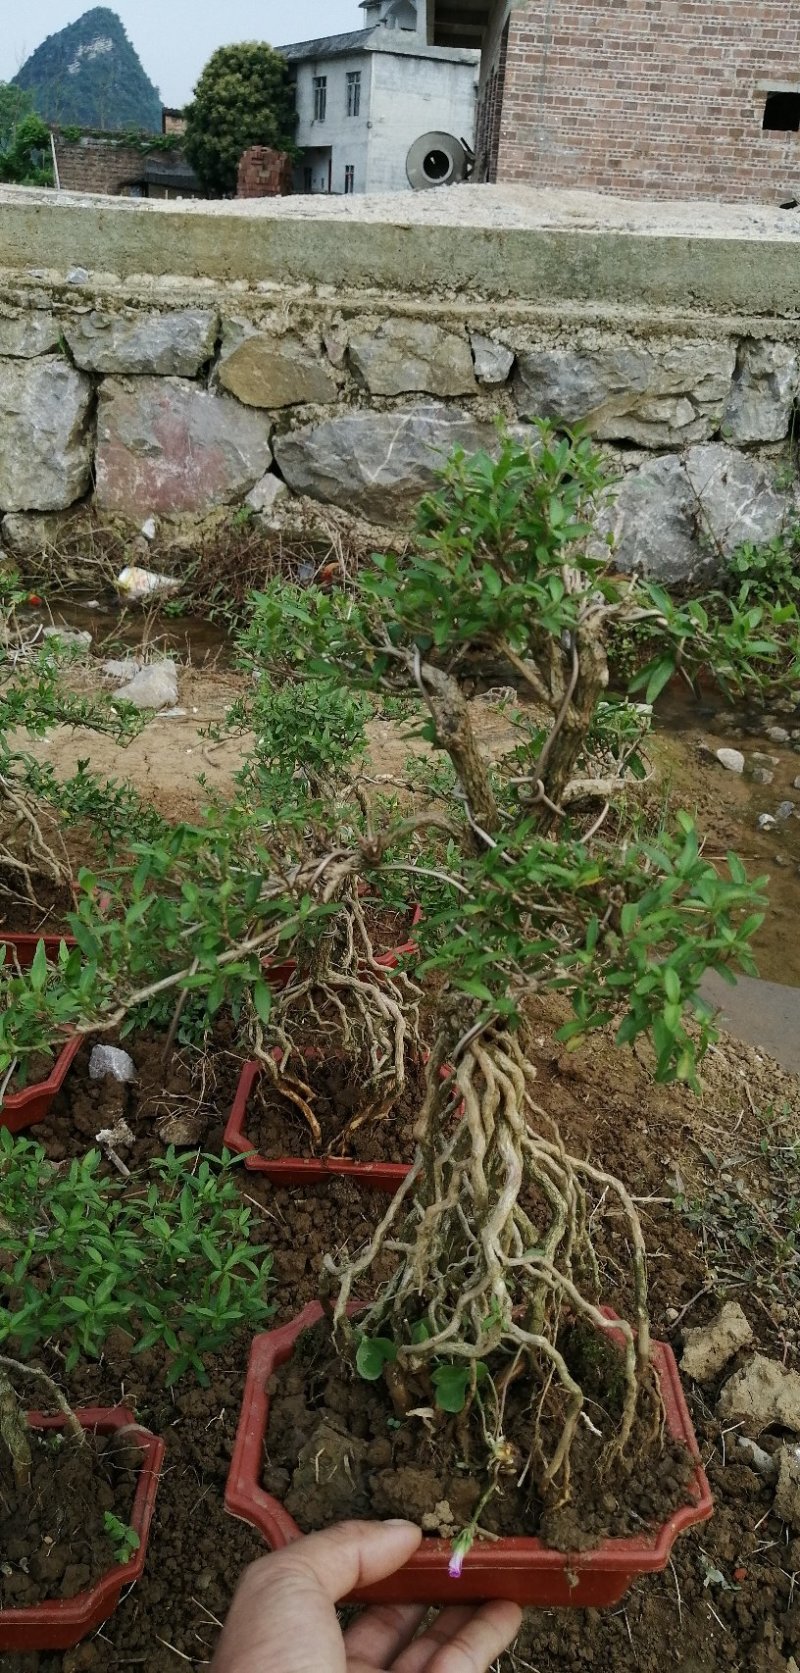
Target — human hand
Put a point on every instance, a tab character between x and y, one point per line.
283	1617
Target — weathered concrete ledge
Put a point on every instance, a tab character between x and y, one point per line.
493	242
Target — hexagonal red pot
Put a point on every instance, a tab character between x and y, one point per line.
523	1570
62	1623
20	1110
299	1170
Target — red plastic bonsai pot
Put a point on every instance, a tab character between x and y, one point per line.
20	1110
61	1624
298	1170
281	974
523	1570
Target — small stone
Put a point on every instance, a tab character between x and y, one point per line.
67	636
796	783
78	276
335	347
149	529
763	1393
732	759
787	1493
122	669
765	821
759	759
785	810
266	494
777	734
154	687
708	1349
762	775
173	714
109	1060
762	1462
493	362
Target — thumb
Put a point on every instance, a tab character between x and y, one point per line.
351	1554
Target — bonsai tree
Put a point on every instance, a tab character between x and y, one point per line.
535	879
543	887
243	98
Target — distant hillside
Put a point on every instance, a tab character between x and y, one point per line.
89	75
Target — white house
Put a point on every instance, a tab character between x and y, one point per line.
365	97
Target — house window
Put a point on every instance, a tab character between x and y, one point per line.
350	178
308	179
354	92
320	98
782	112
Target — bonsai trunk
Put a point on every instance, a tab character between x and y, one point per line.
13	1422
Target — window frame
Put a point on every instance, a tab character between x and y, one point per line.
353	84
320	84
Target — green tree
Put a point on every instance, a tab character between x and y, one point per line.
26	161
243	98
15	104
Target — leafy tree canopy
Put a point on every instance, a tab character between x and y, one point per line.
243	98
15	103
25	157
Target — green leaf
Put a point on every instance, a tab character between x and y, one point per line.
38	974
672	985
262	1001
372	1354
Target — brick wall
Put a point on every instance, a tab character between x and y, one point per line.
264	173
659	98
97	165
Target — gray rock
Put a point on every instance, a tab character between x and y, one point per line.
796	783
759	1460
681	514
762	775
709	1348
657	398
777	734
120	669
766	821
29	335
267	493
149	529
493	362
78	276
109	1060
377	463
154	687
733	759
265	370
784	810
787	1492
167	446
32	535
169	344
763	392
45	441
763	1394
406	356
759	759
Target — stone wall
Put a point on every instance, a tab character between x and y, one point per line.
102	164
162	398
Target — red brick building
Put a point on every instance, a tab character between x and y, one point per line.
648	98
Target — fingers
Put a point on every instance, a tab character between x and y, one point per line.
463	1640
283	1615
381	1633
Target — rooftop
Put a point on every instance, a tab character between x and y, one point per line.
326	46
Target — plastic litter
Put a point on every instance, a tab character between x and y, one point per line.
138	583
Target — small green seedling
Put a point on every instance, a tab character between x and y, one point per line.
124	1539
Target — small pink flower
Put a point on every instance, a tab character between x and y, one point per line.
456	1565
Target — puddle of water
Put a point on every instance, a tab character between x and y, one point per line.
113	625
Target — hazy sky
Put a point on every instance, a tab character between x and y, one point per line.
175	37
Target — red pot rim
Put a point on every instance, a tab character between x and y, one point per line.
300	1170
281	974
63	1623
520	1567
19	1110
